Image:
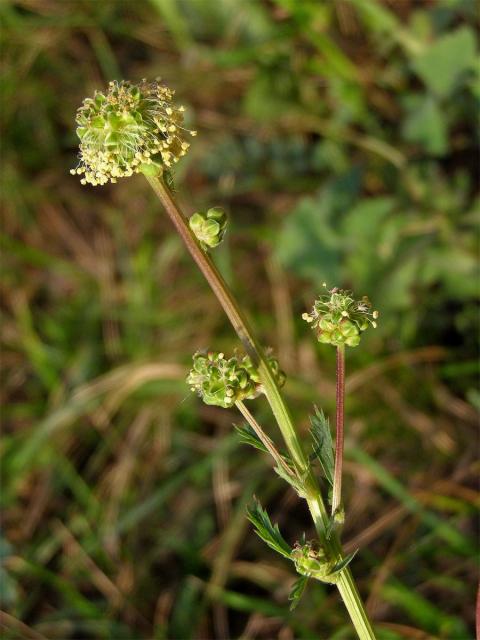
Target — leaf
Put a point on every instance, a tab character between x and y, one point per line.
310	243
297	591
441	65
248	436
426	125
268	532
323	445
344	562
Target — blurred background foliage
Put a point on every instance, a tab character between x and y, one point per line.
340	136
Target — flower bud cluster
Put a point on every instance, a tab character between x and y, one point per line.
209	228
127	127
339	319
222	382
313	563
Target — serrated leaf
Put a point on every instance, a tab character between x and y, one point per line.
297	591
268	532
248	436
323	445
344	562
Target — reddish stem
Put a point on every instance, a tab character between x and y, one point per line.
339	434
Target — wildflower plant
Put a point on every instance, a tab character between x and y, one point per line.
137	128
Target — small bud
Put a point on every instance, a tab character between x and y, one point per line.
209	228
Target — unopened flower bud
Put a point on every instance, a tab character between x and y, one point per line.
209	228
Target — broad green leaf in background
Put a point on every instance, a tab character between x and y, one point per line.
366	238
446	60
426	125
309	244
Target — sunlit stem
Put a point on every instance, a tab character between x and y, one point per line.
339	435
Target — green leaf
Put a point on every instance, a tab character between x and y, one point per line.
248	436
297	591
441	65
268	532
426	125
344	562
323	445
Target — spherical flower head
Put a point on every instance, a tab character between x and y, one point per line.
127	129
224	381
220	381
338	319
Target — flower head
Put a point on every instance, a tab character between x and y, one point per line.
126	128
339	319
224	381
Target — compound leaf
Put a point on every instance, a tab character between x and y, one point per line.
268	532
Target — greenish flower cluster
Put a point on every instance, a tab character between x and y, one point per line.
313	563
339	319
128	127
209	228
222	382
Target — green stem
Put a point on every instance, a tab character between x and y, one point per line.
280	410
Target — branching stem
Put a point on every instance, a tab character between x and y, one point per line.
345	584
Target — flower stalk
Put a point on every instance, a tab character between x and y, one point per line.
339	433
266	441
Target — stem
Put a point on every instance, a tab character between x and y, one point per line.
238	320
339	434
267	442
346	585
